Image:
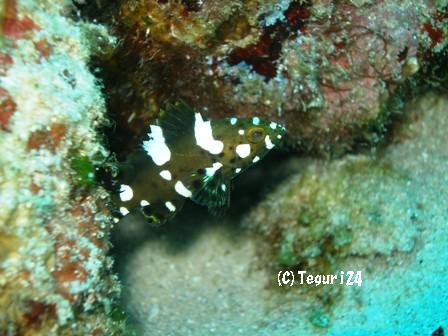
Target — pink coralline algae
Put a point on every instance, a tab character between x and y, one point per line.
14	26
7	109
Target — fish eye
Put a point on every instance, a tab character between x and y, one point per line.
255	134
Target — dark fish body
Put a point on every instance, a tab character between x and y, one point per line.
189	157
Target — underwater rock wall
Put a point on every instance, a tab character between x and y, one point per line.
55	276
324	68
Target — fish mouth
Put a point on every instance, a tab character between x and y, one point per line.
280	134
281	129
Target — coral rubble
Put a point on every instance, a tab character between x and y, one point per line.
55	276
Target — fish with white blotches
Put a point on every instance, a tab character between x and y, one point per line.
188	157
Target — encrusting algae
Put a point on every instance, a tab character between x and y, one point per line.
55	275
324	69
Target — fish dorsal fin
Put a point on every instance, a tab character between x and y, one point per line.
176	120
214	193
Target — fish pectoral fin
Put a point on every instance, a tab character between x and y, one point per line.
214	194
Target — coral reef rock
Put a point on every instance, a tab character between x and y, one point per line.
55	276
381	214
326	69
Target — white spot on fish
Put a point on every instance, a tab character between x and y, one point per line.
237	170
166	174
256	121
212	170
156	146
182	190
144	203
126	193
268	142
279	136
273	125
256	159
223	187
241	132
243	150
204	136
124	211
233	121
170	206
116	220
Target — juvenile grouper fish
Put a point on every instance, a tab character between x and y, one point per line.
187	157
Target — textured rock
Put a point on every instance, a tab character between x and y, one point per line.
326	69
55	276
